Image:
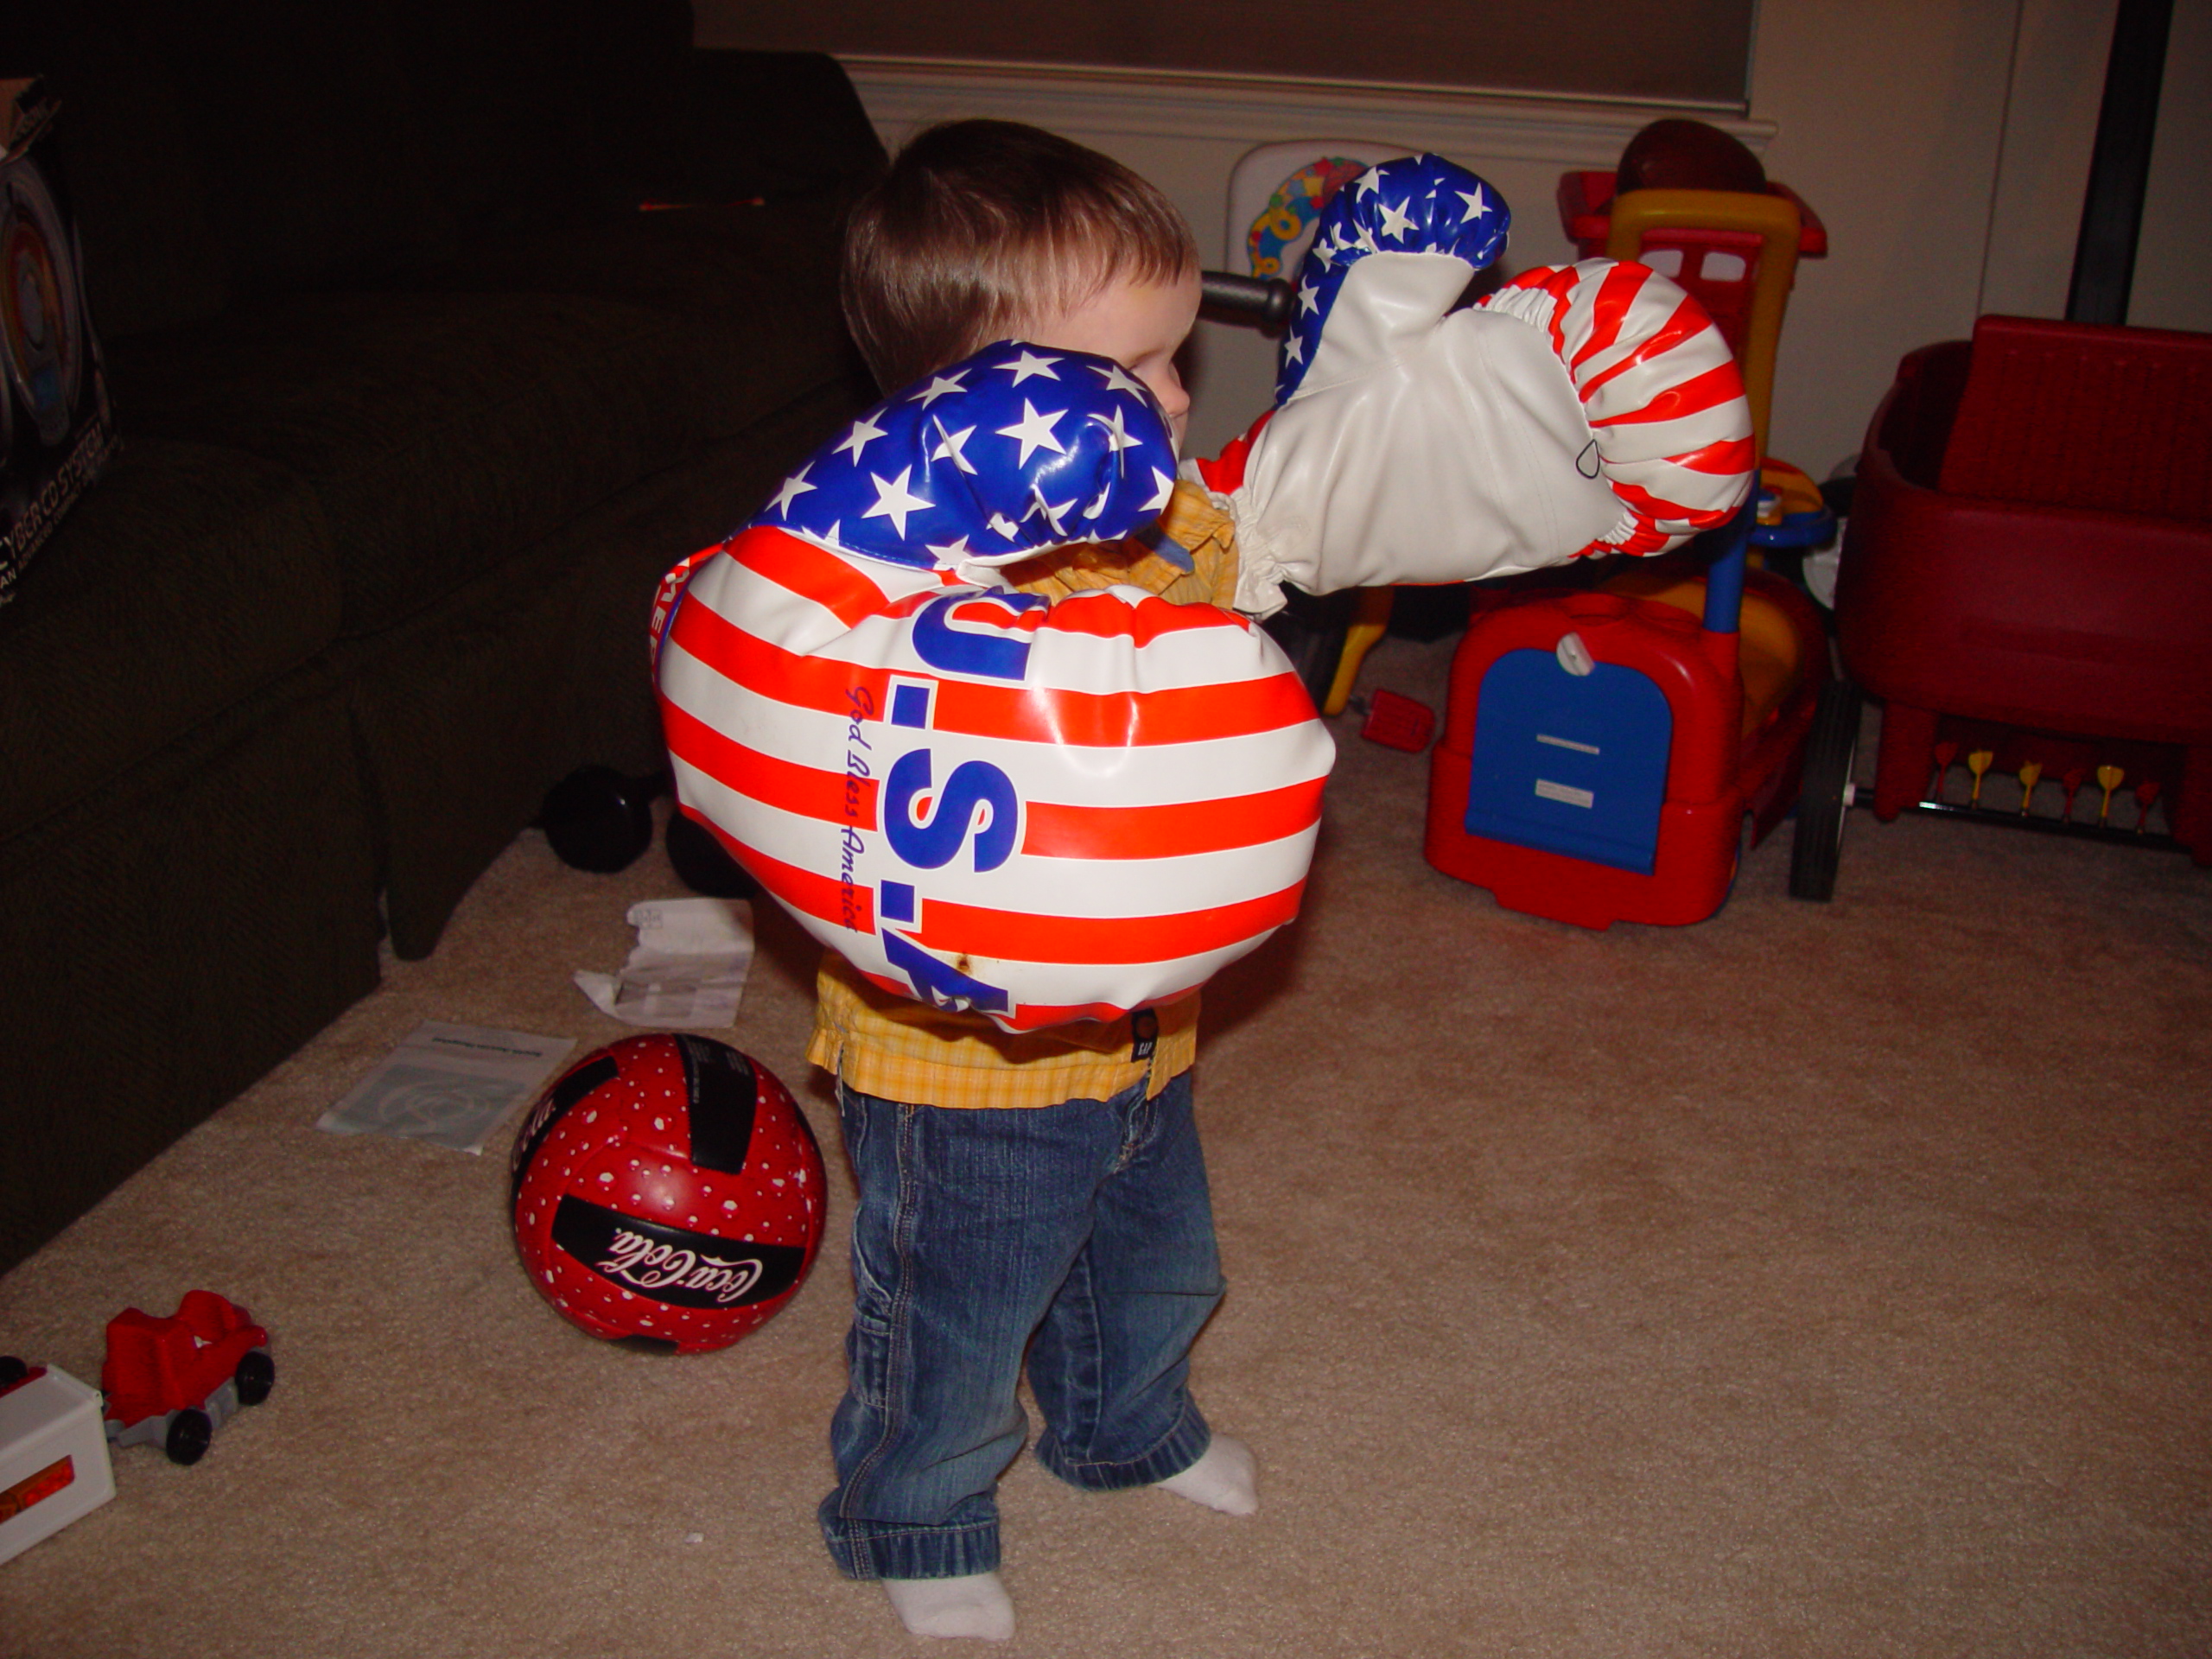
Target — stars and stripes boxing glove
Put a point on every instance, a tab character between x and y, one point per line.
1042	809
1590	410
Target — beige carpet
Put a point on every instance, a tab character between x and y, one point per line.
1818	1279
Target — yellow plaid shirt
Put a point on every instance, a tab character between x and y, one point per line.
899	1049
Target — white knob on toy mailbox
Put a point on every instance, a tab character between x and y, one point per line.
1574	656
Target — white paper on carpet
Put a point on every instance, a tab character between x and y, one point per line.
448	1084
689	968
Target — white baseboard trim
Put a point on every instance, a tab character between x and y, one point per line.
903	93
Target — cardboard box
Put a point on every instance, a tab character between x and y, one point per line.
53	1464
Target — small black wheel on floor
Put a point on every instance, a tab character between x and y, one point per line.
255	1377
1312	630
701	863
1824	799
190	1433
598	820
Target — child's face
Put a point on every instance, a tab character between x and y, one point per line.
1140	325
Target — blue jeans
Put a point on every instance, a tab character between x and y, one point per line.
1082	1233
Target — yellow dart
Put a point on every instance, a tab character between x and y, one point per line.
1978	763
2108	779
2029	775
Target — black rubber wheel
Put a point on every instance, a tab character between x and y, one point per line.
12	1370
701	863
190	1432
255	1377
598	820
1312	631
1824	799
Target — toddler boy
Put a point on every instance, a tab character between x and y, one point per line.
1040	1192
1036	1190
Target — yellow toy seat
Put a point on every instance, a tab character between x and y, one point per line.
1770	652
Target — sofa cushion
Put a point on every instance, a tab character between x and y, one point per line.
524	107
285	129
551	655
188	577
708	127
170	938
754	286
441	432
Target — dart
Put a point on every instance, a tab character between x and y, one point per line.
1945	753
2109	778
2073	780
2029	776
1978	763
2146	792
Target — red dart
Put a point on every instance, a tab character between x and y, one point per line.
1945	753
2073	780
2146	792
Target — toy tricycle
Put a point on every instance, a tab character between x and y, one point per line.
1603	749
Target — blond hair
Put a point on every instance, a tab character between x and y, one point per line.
979	227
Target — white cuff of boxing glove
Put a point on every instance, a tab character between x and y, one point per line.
1261	568
1463	454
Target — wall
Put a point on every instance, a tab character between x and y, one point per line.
1692	51
2045	167
1950	180
2172	288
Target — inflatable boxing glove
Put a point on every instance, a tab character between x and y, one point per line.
1589	410
1042	809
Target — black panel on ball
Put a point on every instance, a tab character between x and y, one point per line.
723	1091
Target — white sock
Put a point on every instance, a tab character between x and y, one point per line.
976	1604
1224	1479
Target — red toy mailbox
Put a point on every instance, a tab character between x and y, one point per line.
176	1381
1597	764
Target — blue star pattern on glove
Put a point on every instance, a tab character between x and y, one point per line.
1010	452
1417	204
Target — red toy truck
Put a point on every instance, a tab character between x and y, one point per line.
175	1381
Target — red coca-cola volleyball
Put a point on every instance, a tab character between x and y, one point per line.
667	1193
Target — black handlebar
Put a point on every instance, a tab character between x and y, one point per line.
1262	300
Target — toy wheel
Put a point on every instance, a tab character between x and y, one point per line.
190	1431
255	1377
1825	796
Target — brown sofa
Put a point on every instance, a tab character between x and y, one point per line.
436	331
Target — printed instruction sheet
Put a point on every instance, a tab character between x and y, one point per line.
448	1084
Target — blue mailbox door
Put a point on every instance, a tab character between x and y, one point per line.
1570	763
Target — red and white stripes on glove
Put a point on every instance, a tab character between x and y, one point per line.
1659	388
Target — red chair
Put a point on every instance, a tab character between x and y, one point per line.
2028	567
